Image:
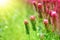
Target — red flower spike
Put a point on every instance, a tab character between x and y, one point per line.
26	26
58	15
53	1
39	5
54	19
50	11
34	3
46	25
53	14
45	21
32	17
48	5
25	22
58	3
44	1
33	22
47	10
55	9
47	1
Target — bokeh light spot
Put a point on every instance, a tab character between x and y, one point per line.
4	2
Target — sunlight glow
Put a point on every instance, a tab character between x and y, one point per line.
4	2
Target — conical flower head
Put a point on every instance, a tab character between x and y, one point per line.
45	21
25	22
53	14
32	18
39	5
34	3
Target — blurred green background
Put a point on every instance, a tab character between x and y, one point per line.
12	18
